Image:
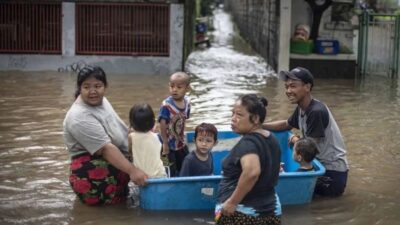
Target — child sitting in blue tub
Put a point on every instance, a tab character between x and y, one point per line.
200	161
304	151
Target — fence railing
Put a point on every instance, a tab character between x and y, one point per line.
122	29
30	27
379	44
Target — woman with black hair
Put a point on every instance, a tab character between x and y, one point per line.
96	139
251	170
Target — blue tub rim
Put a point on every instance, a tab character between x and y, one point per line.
320	170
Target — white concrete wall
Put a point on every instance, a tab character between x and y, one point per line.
342	31
111	64
176	37
68	26
284	35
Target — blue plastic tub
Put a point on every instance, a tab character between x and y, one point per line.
200	193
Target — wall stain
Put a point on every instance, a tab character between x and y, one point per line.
17	62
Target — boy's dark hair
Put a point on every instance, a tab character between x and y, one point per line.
141	117
206	128
255	105
307	148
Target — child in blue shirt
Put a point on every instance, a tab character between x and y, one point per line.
174	112
200	161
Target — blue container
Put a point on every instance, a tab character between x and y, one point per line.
180	193
295	187
327	47
201	27
200	193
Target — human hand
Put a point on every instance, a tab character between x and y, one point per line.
281	168
138	177
165	149
130	130
228	208
293	139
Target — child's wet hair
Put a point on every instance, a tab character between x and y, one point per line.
207	128
255	105
141	117
307	148
88	72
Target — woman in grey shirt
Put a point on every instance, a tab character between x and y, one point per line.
96	139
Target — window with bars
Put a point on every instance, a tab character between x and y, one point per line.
122	29
30	27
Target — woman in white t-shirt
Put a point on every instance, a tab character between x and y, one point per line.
96	140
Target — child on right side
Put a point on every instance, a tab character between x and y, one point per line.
200	161
304	151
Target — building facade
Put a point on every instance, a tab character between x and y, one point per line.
127	37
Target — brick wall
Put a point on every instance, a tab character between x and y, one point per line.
258	22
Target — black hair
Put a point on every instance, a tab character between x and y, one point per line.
206	128
141	117
307	148
88	72
255	105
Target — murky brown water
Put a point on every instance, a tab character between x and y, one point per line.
34	163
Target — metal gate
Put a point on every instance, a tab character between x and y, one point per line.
30	27
122	29
379	44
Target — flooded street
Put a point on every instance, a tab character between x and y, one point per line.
34	185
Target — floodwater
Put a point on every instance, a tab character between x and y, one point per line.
34	185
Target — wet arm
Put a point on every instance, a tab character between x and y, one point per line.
112	154
164	137
277	125
130	143
250	172
130	153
